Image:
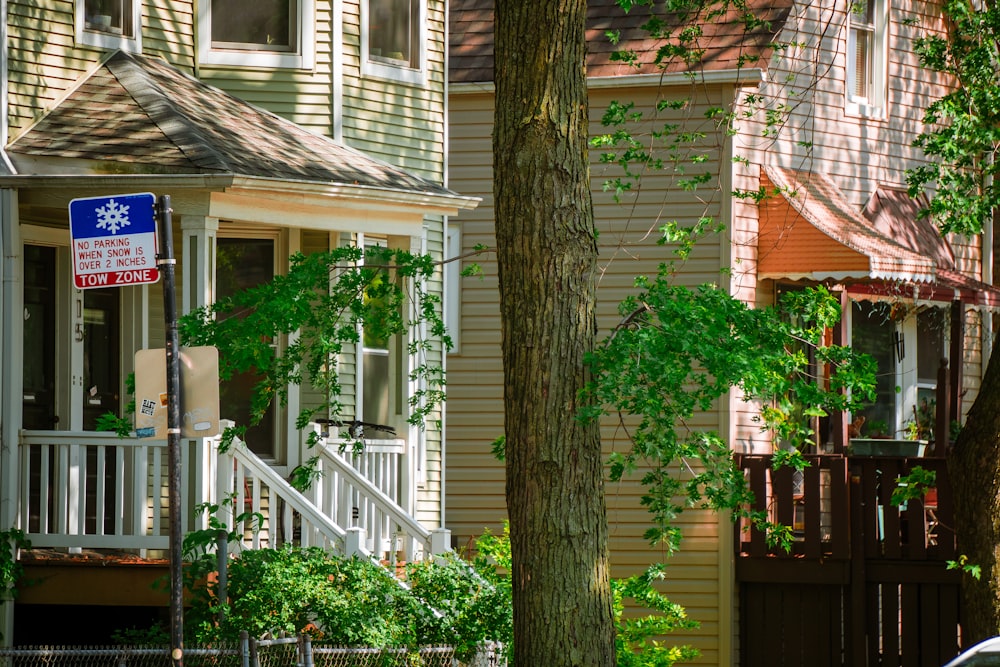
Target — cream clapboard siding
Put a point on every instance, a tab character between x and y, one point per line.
698	575
401	123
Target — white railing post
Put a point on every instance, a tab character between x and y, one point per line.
440	541
354	542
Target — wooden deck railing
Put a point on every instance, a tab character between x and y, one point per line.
840	504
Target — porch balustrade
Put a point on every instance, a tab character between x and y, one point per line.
85	490
842	505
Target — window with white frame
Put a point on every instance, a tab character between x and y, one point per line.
263	33
866	57
383	369
109	24
393	39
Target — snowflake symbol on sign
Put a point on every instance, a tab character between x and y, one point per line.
112	216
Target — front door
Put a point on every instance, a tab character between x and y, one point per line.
72	346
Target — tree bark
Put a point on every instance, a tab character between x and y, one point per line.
974	470
547	252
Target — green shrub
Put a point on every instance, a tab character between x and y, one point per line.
447	601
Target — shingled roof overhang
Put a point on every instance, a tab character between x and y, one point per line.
810	232
138	122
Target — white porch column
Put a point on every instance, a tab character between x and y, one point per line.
12	304
197	255
293	437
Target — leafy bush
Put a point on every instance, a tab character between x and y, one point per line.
345	601
474	600
447	601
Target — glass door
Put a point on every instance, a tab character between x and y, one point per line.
101	354
39	369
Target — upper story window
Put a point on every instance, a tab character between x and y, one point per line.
109	24
866	58
263	33
393	40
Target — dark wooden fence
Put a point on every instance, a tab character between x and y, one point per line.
865	582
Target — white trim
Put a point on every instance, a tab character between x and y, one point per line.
383	69
873	106
452	297
104	40
4	91
302	58
337	72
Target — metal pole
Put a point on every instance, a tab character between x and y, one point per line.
167	264
222	564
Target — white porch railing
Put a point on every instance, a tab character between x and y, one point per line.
363	490
92	490
81	489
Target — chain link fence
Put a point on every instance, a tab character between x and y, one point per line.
288	652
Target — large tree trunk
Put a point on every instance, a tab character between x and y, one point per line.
547	252
974	469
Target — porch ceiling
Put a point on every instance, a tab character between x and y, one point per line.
138	116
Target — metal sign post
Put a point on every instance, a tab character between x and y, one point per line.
167	263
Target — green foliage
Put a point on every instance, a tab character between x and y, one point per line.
676	145
200	543
913	486
963	127
11	569
447	601
474	602
963	564
120	425
154	635
324	299
678	351
348	601
639	639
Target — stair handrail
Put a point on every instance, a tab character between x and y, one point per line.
298	502
331	454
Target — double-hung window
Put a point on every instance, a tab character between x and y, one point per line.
393	39
263	33
866	57
109	24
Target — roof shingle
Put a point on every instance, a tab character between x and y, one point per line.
140	110
725	43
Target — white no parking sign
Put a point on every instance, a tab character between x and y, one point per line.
114	240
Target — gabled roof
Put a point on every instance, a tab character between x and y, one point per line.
139	110
723	39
